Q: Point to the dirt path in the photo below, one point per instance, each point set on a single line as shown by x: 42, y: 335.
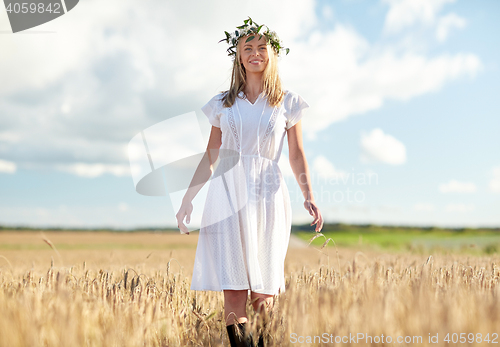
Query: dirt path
x: 296, y: 242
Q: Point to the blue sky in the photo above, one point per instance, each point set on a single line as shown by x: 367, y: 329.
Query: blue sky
x: 406, y: 91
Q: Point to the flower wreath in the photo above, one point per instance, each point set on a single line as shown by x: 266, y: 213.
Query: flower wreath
x: 250, y: 27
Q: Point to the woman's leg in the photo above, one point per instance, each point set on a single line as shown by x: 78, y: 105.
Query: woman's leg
x: 235, y: 303
x: 261, y: 302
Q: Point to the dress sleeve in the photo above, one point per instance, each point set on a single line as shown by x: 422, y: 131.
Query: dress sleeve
x: 295, y: 108
x: 212, y: 110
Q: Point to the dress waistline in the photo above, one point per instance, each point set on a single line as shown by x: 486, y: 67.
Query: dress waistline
x: 247, y: 155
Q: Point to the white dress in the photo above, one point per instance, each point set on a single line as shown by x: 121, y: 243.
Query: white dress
x: 246, y: 221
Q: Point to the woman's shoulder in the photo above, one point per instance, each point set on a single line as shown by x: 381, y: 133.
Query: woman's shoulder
x: 291, y: 94
x: 290, y: 99
x: 217, y: 100
x: 218, y: 97
x: 214, y: 105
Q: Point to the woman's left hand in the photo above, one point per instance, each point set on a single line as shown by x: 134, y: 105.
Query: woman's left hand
x: 314, y: 211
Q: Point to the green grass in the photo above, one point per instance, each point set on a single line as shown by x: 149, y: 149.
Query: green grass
x: 474, y: 241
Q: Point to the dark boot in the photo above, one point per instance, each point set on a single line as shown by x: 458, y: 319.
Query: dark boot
x: 231, y: 335
x: 262, y: 331
x: 237, y: 336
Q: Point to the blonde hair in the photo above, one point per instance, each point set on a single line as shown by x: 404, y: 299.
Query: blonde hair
x: 271, y: 82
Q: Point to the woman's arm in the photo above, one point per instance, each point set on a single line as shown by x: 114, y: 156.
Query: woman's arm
x: 204, y: 170
x: 300, y: 169
x: 201, y: 176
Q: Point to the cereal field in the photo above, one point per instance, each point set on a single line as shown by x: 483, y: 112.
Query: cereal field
x: 132, y: 289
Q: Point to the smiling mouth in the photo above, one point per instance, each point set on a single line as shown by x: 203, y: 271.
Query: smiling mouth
x: 255, y: 61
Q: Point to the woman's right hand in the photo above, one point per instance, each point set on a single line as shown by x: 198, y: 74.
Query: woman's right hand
x: 184, y: 211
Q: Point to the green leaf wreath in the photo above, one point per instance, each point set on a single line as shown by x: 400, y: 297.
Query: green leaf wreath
x: 249, y: 28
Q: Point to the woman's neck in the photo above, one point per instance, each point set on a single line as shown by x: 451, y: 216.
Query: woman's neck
x: 253, y: 85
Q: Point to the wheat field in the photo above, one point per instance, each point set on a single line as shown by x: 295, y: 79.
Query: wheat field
x: 133, y: 289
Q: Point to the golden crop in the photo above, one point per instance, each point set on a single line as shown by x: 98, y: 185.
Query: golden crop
x: 111, y: 289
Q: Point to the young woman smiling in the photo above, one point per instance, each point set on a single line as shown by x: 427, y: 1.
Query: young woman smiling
x: 246, y: 221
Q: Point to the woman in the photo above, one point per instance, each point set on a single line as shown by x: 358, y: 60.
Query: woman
x: 246, y: 221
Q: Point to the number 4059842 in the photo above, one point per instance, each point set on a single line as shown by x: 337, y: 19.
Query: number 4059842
x: 33, y: 7
x: 470, y: 337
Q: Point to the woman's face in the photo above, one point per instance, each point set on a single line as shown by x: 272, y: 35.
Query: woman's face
x: 254, y: 55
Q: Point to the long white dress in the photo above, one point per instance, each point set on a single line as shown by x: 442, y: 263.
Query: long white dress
x: 246, y: 221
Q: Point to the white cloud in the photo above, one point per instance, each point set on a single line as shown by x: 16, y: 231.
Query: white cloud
x: 86, y: 215
x: 10, y: 137
x: 358, y: 209
x: 455, y: 186
x: 405, y: 13
x: 380, y: 147
x: 123, y: 207
x: 7, y: 166
x: 324, y: 169
x: 495, y: 181
x: 459, y: 208
x: 95, y: 170
x: 361, y: 76
x: 126, y: 70
x: 328, y: 12
x: 426, y: 207
x: 448, y: 22
x: 390, y: 209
